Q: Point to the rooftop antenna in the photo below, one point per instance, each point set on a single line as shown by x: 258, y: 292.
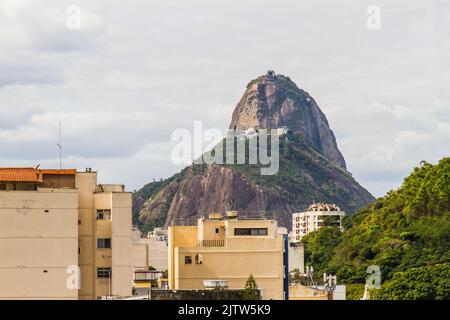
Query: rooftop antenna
x: 59, y: 144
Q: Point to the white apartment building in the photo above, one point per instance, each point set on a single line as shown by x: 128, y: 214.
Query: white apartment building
x: 317, y: 215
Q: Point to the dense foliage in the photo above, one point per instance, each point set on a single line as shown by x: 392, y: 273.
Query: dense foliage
x: 424, y: 283
x: 150, y: 191
x: 408, y: 228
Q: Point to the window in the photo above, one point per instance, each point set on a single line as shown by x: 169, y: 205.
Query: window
x: 198, y: 259
x: 103, y: 272
x: 250, y: 231
x: 187, y: 260
x: 103, y: 243
x: 103, y: 214
x: 217, y: 230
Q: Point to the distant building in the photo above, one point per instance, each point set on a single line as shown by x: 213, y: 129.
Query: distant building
x: 271, y: 75
x: 296, y: 257
x: 317, y: 215
x: 301, y: 292
x: 54, y: 221
x: 150, y: 251
x: 282, y: 130
x: 250, y: 133
x: 228, y: 248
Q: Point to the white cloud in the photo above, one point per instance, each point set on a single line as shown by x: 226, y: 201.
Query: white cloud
x: 136, y: 71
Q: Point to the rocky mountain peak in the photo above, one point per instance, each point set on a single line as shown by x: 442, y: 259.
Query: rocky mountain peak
x: 272, y: 101
x: 311, y: 168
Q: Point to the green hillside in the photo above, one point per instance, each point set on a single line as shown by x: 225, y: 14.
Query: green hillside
x: 408, y: 228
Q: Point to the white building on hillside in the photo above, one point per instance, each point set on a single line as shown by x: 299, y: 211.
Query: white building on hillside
x: 317, y: 215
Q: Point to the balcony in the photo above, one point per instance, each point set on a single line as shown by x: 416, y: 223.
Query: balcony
x: 211, y: 243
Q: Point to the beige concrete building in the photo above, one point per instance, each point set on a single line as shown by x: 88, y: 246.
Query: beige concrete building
x: 301, y: 292
x: 150, y: 251
x: 53, y: 221
x: 229, y: 249
x: 317, y: 215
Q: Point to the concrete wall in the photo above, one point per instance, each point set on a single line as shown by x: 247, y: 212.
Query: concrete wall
x: 157, y: 254
x: 140, y: 256
x: 179, y: 236
x: 196, y: 294
x: 86, y: 183
x: 38, y: 242
x: 296, y: 257
x: 150, y: 252
x: 122, y: 279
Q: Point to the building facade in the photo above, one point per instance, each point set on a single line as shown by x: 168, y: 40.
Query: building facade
x: 296, y: 257
x: 150, y: 251
x: 317, y: 216
x: 230, y: 249
x: 149, y: 260
x: 60, y: 224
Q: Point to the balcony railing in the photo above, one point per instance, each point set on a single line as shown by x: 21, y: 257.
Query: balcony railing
x: 211, y: 243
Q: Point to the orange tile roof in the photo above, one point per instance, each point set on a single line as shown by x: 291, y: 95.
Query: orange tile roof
x: 30, y: 174
x: 19, y: 175
x: 58, y: 171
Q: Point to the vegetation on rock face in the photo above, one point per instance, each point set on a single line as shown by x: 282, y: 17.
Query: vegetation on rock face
x: 305, y: 176
x: 154, y: 216
x: 408, y: 228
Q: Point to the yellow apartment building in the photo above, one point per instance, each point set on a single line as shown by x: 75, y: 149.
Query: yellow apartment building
x: 227, y: 248
x: 53, y: 222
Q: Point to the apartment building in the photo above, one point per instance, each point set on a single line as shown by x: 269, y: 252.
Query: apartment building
x: 315, y: 217
x: 53, y: 222
x: 150, y: 251
x: 227, y: 248
x: 149, y: 259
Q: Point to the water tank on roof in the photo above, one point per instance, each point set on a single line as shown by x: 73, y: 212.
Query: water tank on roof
x: 216, y: 216
x: 232, y: 214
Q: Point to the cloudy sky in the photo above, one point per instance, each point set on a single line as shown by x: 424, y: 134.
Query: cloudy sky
x: 134, y: 71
